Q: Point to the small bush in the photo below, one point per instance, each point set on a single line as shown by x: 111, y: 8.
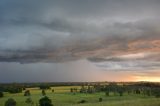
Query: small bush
x: 120, y: 93
x: 100, y: 99
x: 1, y: 94
x: 82, y: 101
x: 10, y: 102
x: 29, y: 101
x: 107, y: 93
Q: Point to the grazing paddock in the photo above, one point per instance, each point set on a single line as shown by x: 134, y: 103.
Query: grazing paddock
x: 63, y: 97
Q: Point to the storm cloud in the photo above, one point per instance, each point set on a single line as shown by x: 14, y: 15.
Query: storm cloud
x: 115, y: 35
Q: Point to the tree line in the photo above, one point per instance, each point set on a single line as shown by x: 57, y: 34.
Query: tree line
x: 146, y: 89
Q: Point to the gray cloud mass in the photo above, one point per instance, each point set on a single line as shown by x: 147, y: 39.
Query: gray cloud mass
x: 113, y: 34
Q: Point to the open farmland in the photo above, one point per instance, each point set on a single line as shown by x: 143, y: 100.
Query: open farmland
x: 63, y: 97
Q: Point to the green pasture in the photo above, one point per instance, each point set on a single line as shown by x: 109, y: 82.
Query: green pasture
x: 63, y: 97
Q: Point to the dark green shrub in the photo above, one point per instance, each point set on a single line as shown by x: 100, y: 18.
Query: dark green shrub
x: 82, y: 101
x: 107, y: 93
x: 100, y: 99
x: 10, y: 102
x: 45, y: 101
x: 120, y: 93
x: 29, y: 101
x: 1, y: 94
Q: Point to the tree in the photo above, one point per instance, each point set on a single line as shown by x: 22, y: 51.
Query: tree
x: 148, y: 92
x: 137, y: 91
x: 120, y: 90
x: 83, y: 90
x: 10, y: 102
x: 107, y: 93
x: 90, y: 89
x: 53, y: 90
x: 45, y: 101
x: 71, y: 90
x: 29, y: 101
x: 44, y: 87
x: 43, y: 92
x: 1, y: 94
x: 14, y: 89
x: 112, y: 87
x: 27, y: 93
x: 156, y: 92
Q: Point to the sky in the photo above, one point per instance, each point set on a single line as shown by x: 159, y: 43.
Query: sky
x: 79, y: 40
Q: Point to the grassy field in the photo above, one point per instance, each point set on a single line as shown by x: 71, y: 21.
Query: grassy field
x: 63, y: 97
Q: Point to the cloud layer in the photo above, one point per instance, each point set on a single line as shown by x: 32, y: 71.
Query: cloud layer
x: 119, y: 34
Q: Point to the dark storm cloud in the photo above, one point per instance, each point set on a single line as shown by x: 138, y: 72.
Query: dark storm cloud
x: 59, y: 31
x: 63, y: 40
